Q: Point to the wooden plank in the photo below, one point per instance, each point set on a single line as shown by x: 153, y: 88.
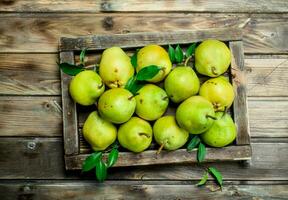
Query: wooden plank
x: 30, y: 116
x: 138, y: 190
x: 266, y: 76
x: 16, y: 71
x: 263, y: 6
x: 239, y: 82
x: 132, y: 40
x: 126, y: 159
x: 41, y: 32
x: 42, y: 158
x: 70, y: 130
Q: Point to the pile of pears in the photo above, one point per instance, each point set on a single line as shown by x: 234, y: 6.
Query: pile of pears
x: 135, y: 120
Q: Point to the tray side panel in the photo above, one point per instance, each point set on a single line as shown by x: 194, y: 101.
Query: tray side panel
x: 239, y: 83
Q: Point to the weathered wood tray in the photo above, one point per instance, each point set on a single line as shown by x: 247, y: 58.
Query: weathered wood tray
x: 75, y: 148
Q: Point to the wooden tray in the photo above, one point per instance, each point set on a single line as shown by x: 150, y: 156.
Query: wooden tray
x: 75, y: 148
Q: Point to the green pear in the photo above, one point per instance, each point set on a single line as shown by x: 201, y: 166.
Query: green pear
x: 222, y: 132
x: 181, y: 83
x: 86, y: 87
x: 115, y: 67
x: 151, y: 102
x: 195, y: 114
x: 154, y: 55
x: 212, y: 58
x: 98, y: 132
x: 135, y: 135
x: 168, y: 134
x: 219, y: 92
x: 117, y: 105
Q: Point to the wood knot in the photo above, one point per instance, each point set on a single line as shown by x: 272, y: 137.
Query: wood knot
x: 108, y: 23
x: 31, y: 145
x: 105, y: 6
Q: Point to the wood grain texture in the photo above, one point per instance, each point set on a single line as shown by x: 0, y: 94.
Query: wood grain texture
x: 266, y: 75
x: 133, y: 40
x: 30, y: 116
x: 149, y: 157
x: 42, y: 158
x: 45, y: 190
x: 41, y: 32
x: 70, y: 130
x: 264, y: 6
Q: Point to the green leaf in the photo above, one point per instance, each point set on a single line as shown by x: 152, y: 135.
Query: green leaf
x: 134, y: 59
x: 191, y: 50
x: 101, y: 170
x: 82, y: 55
x: 201, y: 152
x: 112, y: 157
x: 193, y: 143
x: 133, y: 85
x: 171, y: 52
x: 70, y: 69
x: 216, y: 174
x: 178, y: 54
x: 147, y: 73
x: 90, y: 161
x: 203, y: 179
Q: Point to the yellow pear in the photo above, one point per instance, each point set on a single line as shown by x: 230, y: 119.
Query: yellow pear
x: 115, y: 67
x: 98, y: 132
x: 154, y: 55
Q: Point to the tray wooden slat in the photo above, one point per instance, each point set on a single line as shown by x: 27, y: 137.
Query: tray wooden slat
x: 132, y: 40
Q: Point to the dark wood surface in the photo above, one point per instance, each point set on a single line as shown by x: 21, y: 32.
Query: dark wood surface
x: 31, y: 143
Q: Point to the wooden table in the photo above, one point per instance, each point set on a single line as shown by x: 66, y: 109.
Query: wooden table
x: 31, y: 145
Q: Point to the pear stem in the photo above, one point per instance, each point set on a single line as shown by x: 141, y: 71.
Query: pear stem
x: 100, y: 86
x: 164, y: 98
x: 130, y: 98
x: 187, y: 60
x: 160, y: 148
x: 213, y: 69
x: 145, y: 134
x: 212, y: 117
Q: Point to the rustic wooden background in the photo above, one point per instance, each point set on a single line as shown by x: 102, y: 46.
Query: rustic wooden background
x: 31, y: 145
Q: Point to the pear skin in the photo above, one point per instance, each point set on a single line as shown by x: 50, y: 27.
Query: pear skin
x: 117, y: 105
x: 135, y: 135
x: 169, y: 134
x: 151, y: 102
x: 98, y: 132
x: 86, y: 87
x: 222, y: 132
x: 154, y: 55
x: 212, y: 58
x: 115, y: 67
x: 219, y: 92
x: 181, y: 83
x: 195, y: 114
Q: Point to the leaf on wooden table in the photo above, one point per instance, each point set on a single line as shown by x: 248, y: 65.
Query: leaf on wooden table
x: 190, y: 50
x: 90, y: 161
x: 171, y: 52
x: 194, y: 142
x: 178, y: 54
x: 112, y: 157
x: 203, y: 179
x: 70, y: 69
x: 201, y: 152
x: 216, y: 174
x: 101, y: 170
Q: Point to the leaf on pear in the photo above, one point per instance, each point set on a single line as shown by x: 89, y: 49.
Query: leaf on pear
x: 201, y: 152
x: 178, y: 54
x: 190, y: 50
x: 134, y: 59
x: 203, y: 179
x: 112, y: 157
x: 70, y: 69
x: 171, y: 52
x: 193, y: 143
x: 101, y: 170
x: 90, y: 161
x: 82, y: 55
x: 217, y: 175
x: 133, y: 85
x: 147, y: 73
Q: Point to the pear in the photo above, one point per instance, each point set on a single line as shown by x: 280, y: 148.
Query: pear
x: 154, y: 55
x: 222, y: 132
x: 135, y: 135
x: 181, y: 83
x: 117, y: 105
x: 168, y: 134
x: 195, y: 114
x: 98, y: 132
x: 86, y: 87
x: 212, y: 58
x: 115, y: 67
x: 151, y: 102
x: 218, y: 91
